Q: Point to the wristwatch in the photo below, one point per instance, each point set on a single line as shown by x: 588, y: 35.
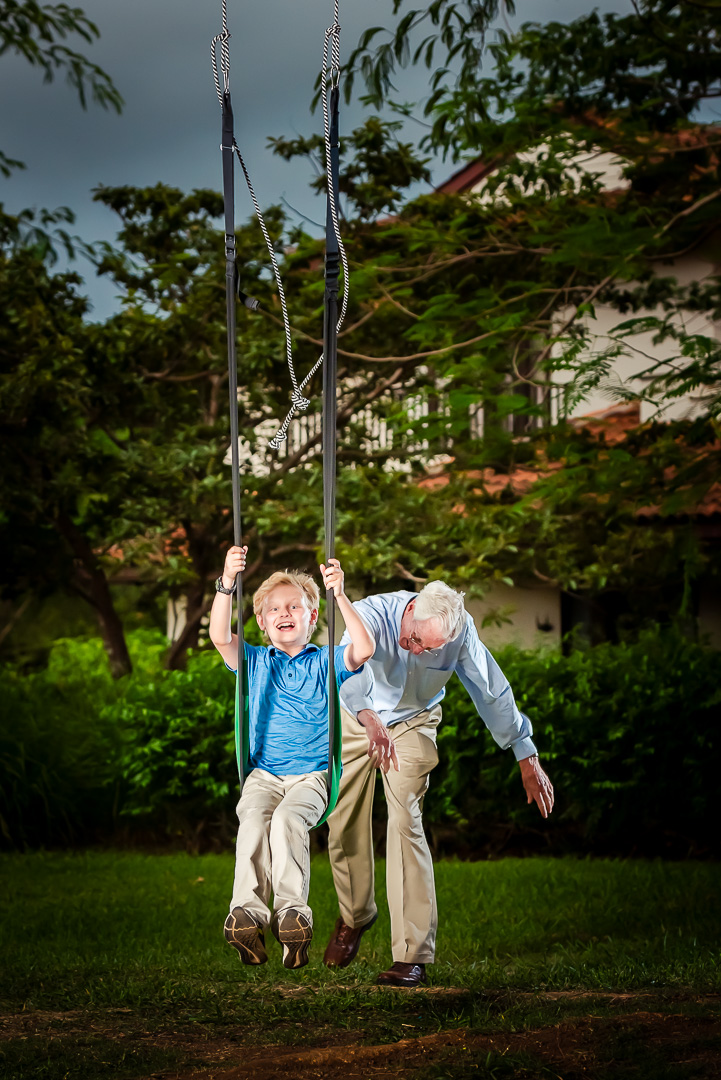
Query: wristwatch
x: 220, y: 587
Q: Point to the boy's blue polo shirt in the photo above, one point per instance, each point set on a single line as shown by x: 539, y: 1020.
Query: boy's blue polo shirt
x: 288, y: 707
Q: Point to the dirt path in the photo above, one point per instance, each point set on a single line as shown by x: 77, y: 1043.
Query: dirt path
x: 573, y: 1048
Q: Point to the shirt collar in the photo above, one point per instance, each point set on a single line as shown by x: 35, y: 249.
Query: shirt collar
x: 279, y: 652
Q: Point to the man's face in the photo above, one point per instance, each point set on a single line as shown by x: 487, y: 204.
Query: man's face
x: 287, y: 618
x: 419, y: 636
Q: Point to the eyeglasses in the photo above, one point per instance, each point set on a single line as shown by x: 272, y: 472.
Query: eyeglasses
x: 414, y: 639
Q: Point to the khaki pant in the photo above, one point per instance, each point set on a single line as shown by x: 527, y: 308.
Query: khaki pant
x: 409, y: 868
x: 275, y: 815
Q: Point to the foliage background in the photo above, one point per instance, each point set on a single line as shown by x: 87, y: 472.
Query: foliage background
x: 114, y: 491
x: 461, y: 304
x: 629, y: 734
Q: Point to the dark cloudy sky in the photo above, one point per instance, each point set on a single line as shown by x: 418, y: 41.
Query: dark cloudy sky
x: 157, y: 52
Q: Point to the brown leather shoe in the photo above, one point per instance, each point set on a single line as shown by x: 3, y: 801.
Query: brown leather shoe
x: 399, y: 974
x: 344, y: 942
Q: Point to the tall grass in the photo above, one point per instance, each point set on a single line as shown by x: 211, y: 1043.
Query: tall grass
x: 139, y: 930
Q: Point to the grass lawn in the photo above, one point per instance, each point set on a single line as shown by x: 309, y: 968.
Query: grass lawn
x: 115, y: 964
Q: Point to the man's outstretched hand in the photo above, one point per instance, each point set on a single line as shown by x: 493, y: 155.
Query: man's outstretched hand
x: 381, y: 747
x: 538, y: 786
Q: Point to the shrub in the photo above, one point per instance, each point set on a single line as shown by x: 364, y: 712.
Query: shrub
x: 58, y: 751
x: 177, y: 760
x: 628, y: 734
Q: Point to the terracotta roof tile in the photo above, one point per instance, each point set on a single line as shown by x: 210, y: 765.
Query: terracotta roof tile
x: 612, y: 423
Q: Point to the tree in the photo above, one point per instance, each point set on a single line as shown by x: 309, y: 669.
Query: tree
x: 37, y: 32
x: 60, y: 476
x: 458, y: 305
x: 516, y: 272
x: 629, y: 84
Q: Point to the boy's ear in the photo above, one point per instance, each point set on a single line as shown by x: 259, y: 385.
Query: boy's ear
x: 313, y: 616
x: 259, y: 620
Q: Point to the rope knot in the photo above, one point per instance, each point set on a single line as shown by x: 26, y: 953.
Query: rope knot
x: 276, y: 441
x: 300, y: 403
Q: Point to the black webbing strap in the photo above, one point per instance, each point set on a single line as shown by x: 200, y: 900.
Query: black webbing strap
x: 227, y: 149
x: 330, y: 367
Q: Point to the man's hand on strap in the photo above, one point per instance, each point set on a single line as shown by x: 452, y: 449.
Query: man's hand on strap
x: 537, y: 784
x: 381, y: 747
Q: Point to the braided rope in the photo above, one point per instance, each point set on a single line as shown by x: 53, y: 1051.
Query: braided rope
x: 332, y: 35
x: 334, y: 32
x: 224, y: 37
x: 300, y: 403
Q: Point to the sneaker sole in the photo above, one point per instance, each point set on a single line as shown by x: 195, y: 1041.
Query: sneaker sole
x: 242, y: 932
x: 295, y: 935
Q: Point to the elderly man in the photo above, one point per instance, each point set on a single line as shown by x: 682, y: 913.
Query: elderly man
x: 420, y: 640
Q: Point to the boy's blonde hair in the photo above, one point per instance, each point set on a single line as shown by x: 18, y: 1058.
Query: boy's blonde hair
x: 296, y: 578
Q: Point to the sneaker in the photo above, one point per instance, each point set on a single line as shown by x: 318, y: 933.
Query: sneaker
x: 243, y: 933
x: 295, y: 934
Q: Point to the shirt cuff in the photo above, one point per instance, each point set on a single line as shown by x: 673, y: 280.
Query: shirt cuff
x: 356, y: 705
x: 524, y: 748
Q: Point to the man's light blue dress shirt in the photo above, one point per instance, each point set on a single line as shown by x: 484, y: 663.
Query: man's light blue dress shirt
x: 399, y: 685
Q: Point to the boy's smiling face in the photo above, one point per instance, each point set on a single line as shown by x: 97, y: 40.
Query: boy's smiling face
x: 287, y: 619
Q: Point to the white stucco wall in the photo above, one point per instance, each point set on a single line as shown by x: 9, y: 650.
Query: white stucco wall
x: 709, y: 616
x: 639, y: 351
x: 526, y: 609
x: 523, y: 609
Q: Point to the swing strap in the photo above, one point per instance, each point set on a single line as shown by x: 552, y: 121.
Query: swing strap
x: 227, y: 146
x: 333, y: 246
x: 222, y: 67
x: 334, y: 252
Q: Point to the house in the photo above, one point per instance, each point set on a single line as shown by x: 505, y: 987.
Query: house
x: 534, y: 614
x: 636, y: 350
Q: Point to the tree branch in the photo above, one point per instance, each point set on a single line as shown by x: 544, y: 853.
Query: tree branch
x: 408, y: 575
x: 167, y: 377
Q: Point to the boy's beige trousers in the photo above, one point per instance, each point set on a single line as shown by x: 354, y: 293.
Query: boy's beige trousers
x: 275, y: 815
x: 409, y: 868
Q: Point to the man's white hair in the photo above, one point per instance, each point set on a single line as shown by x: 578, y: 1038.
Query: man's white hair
x: 436, y: 600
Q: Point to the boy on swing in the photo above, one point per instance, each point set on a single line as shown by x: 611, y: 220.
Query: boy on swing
x: 285, y: 792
